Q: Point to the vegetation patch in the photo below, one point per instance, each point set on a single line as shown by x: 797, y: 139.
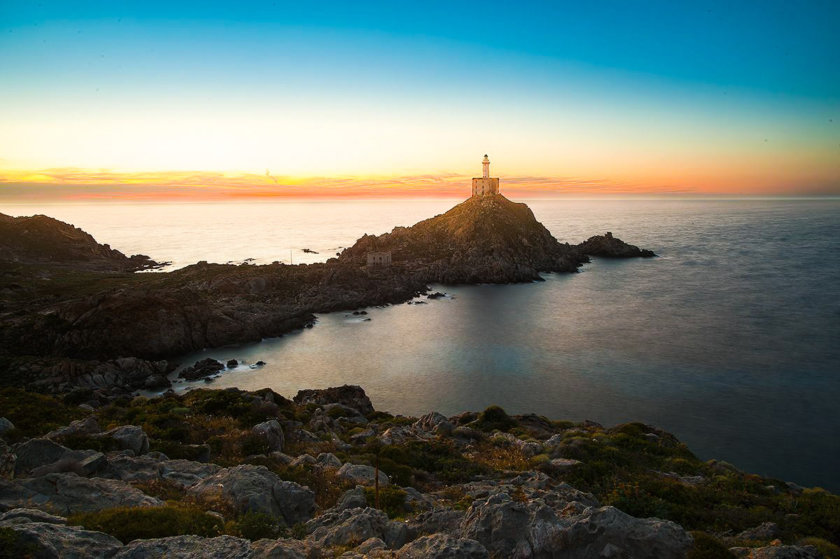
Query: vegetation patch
x: 133, y: 523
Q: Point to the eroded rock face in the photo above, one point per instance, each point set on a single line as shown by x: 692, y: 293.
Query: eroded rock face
x: 58, y: 541
x: 187, y: 547
x: 442, y: 546
x: 256, y: 488
x: 342, y: 527
x: 348, y: 395
x: 70, y: 493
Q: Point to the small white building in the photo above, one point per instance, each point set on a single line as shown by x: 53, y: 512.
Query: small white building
x: 379, y: 258
x: 486, y: 185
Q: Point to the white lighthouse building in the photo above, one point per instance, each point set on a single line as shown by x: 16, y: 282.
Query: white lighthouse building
x: 486, y: 185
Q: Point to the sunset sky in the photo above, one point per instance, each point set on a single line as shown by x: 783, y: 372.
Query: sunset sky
x: 214, y: 100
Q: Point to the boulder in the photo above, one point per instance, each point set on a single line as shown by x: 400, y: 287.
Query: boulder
x: 47, y: 540
x: 442, y: 546
x: 38, y: 452
x: 283, y: 549
x: 5, y: 425
x: 87, y: 426
x: 348, y: 395
x: 69, y: 493
x: 81, y: 462
x: 778, y: 552
x: 361, y: 474
x: 302, y: 460
x: 328, y: 460
x: 440, y: 520
x: 272, y: 432
x: 256, y: 488
x: 31, y: 515
x: 187, y: 547
x: 349, y: 526
x: 201, y: 369
x: 129, y: 437
x: 429, y: 421
x: 183, y: 473
x: 355, y: 498
x: 763, y: 532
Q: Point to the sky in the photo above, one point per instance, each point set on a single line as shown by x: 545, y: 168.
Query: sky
x: 218, y: 100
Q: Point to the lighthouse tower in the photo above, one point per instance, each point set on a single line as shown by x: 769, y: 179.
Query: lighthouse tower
x: 486, y: 185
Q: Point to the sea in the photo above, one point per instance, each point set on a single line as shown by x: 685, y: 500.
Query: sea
x: 730, y: 338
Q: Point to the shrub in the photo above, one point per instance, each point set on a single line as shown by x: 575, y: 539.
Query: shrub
x: 255, y: 526
x: 132, y: 523
x: 14, y: 545
x: 707, y: 547
x: 828, y: 549
x: 391, y: 500
x: 494, y: 417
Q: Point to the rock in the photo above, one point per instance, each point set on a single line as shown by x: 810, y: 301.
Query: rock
x: 201, y: 369
x: 259, y: 364
x: 70, y: 493
x: 8, y: 459
x: 346, y: 526
x: 436, y: 295
x: 778, y: 552
x: 440, y: 520
x: 129, y: 437
x: 363, y: 475
x: 50, y: 540
x: 370, y: 545
x: 256, y: 488
x: 31, y: 515
x: 38, y: 452
x: 352, y: 499
x: 187, y: 547
x: 183, y: 473
x: 763, y: 532
x: 607, y: 246
x: 442, y: 546
x: 272, y: 432
x: 349, y: 395
x: 87, y: 426
x: 81, y: 462
x: 5, y: 425
x: 328, y: 460
x: 535, y: 529
x: 232, y: 364
x: 562, y: 464
x: 428, y: 422
x: 284, y: 549
x: 302, y: 460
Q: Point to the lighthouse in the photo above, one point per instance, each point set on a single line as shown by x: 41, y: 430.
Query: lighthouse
x: 486, y: 185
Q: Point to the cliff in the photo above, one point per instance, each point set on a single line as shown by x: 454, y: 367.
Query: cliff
x: 43, y: 240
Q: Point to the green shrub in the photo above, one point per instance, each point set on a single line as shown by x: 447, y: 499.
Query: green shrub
x: 707, y: 547
x: 494, y: 417
x: 391, y: 500
x: 35, y: 414
x: 255, y: 526
x: 828, y: 549
x: 132, y: 523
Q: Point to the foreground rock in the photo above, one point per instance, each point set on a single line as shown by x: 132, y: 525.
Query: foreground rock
x: 188, y: 547
x: 58, y: 541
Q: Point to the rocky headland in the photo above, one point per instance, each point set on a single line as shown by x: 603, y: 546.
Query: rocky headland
x: 73, y: 315
x: 233, y: 474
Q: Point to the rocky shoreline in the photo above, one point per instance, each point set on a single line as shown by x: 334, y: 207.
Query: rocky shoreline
x: 232, y: 474
x: 73, y: 315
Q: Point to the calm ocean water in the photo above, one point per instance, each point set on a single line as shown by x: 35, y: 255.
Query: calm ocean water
x: 730, y: 340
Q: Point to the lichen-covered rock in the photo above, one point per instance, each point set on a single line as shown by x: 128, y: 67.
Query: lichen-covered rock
x: 70, y: 493
x: 361, y: 474
x: 351, y: 526
x: 57, y: 541
x: 187, y: 547
x: 442, y: 546
x: 272, y: 432
x: 256, y: 488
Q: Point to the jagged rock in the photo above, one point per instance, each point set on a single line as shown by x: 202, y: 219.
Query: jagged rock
x: 343, y: 527
x: 129, y: 437
x: 535, y: 529
x: 31, y: 515
x: 328, y: 460
x: 183, y: 473
x: 764, y: 531
x: 69, y: 493
x: 607, y: 246
x: 42, y: 456
x: 778, y: 552
x: 5, y: 425
x: 201, y: 369
x: 56, y: 541
x: 361, y: 474
x: 445, y: 521
x: 232, y: 364
x: 86, y: 426
x: 370, y: 545
x: 348, y: 395
x: 81, y: 462
x: 397, y: 434
x: 352, y: 499
x: 272, y: 432
x: 442, y: 546
x: 256, y: 488
x: 303, y: 460
x: 187, y: 547
x: 429, y: 421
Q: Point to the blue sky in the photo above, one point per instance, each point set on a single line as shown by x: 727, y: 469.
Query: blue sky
x: 554, y: 89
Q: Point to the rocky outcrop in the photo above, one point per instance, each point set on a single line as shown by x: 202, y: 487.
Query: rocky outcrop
x: 346, y: 526
x: 362, y: 474
x: 348, y: 395
x: 442, y: 546
x: 43, y: 240
x: 201, y: 369
x: 607, y: 246
x: 256, y: 488
x: 51, y: 540
x: 188, y: 547
x: 68, y: 493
